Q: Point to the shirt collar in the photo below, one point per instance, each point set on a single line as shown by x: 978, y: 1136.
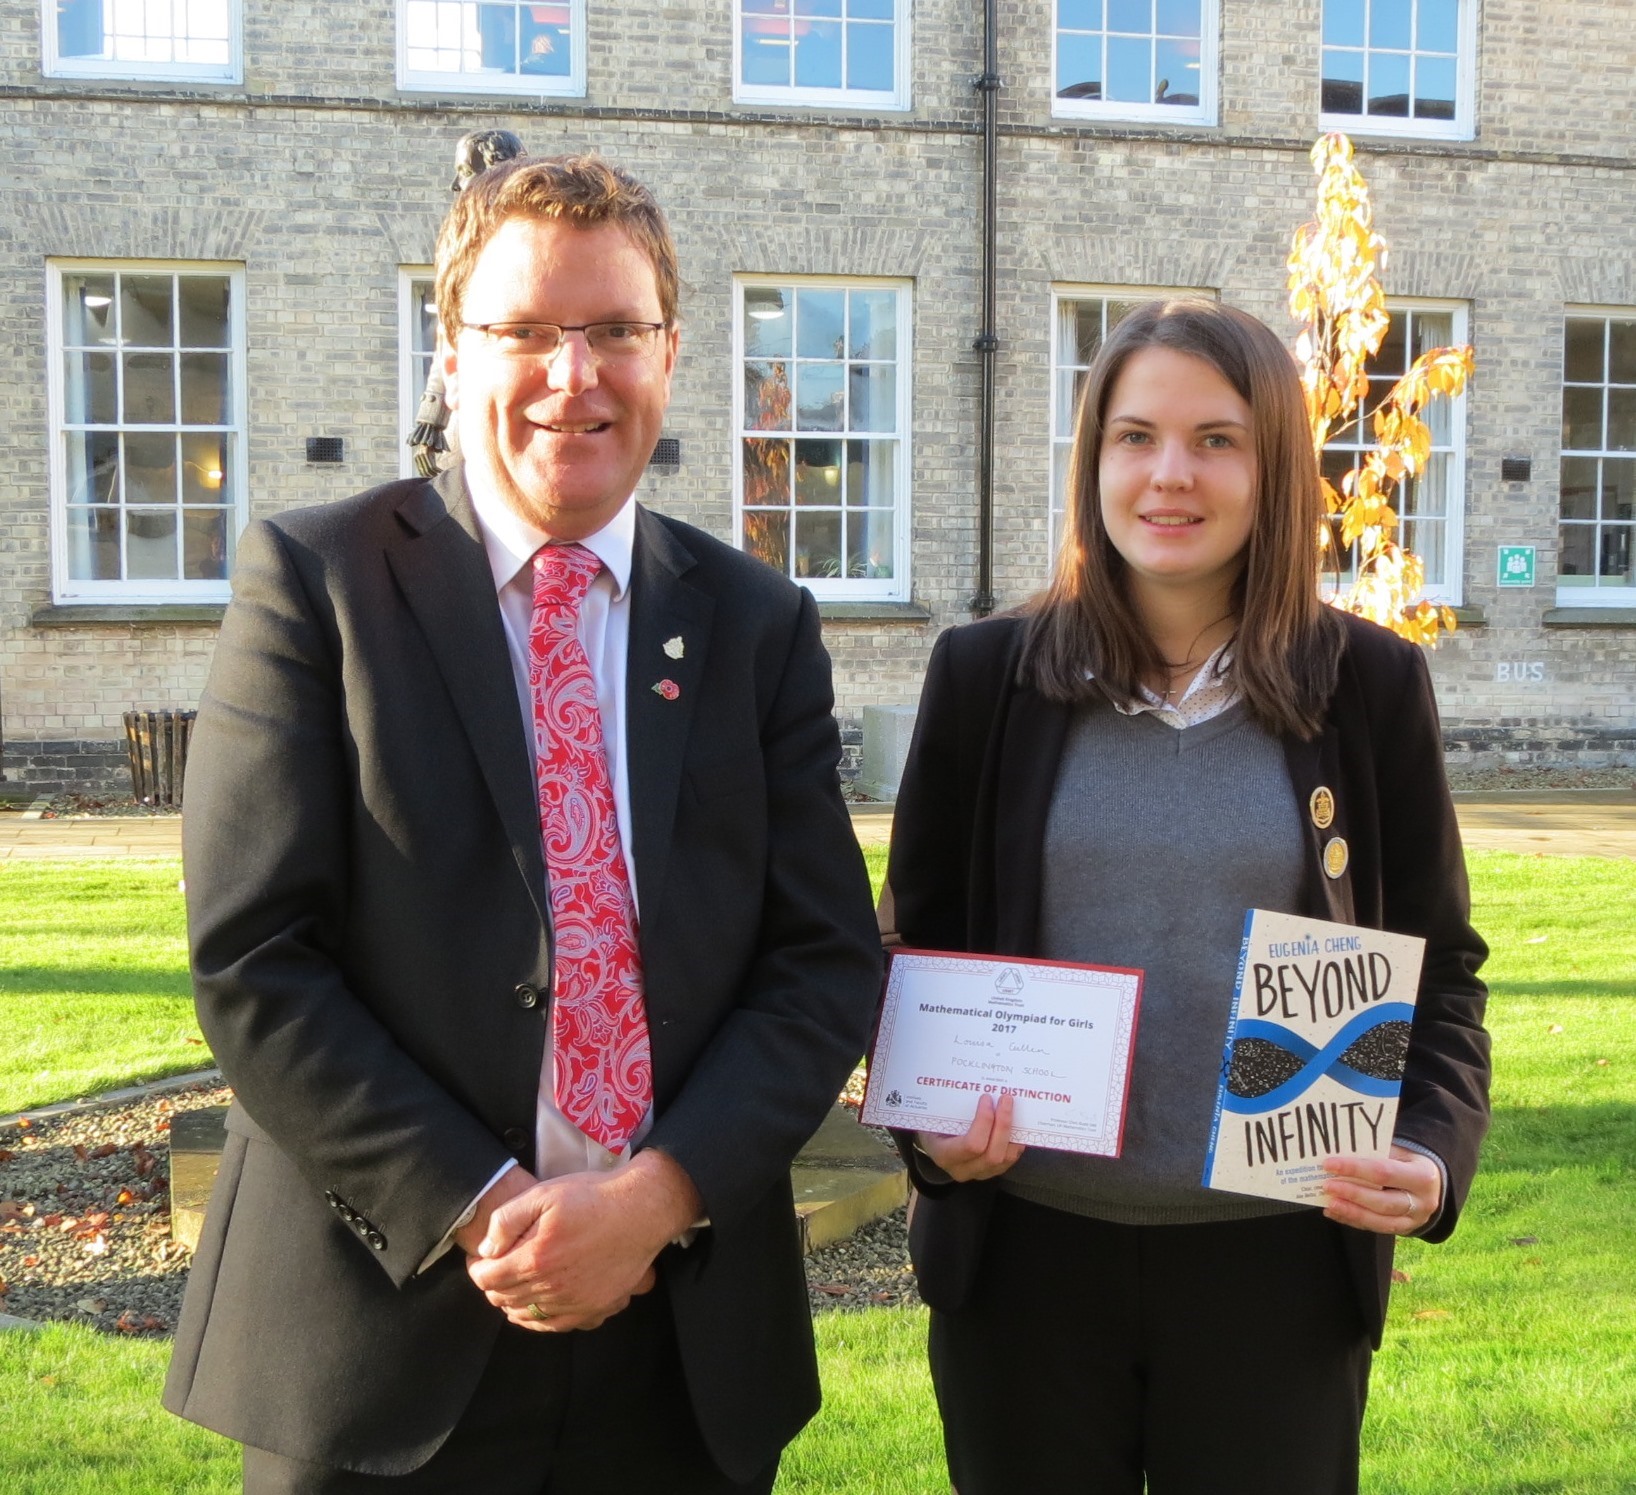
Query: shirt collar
x: 510, y: 540
x: 1212, y: 672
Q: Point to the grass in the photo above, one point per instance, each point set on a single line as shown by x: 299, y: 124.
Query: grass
x: 1510, y: 1361
x: 93, y: 982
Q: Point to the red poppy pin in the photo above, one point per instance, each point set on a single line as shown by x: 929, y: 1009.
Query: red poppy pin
x: 669, y: 689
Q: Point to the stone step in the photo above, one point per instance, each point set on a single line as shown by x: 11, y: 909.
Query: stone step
x: 843, y: 1178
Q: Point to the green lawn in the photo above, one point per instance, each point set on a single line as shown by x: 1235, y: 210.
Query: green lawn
x: 1510, y: 1362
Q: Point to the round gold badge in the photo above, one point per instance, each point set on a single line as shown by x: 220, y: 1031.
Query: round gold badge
x: 1322, y: 805
x: 1335, y: 856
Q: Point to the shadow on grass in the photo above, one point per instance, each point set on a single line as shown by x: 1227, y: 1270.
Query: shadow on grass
x: 160, y: 979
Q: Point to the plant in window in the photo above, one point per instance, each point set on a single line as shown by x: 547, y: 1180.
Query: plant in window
x: 1335, y: 293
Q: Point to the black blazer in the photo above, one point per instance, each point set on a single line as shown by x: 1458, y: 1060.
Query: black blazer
x: 366, y: 904
x: 965, y: 875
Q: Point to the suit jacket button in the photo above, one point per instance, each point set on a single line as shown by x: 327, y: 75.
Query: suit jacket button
x: 528, y: 996
x: 333, y: 1199
x: 375, y: 1239
x: 515, y: 1138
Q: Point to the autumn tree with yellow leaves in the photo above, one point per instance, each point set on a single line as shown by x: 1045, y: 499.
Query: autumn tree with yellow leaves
x: 1335, y: 293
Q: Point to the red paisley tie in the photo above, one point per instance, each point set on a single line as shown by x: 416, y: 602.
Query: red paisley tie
x: 603, y: 1071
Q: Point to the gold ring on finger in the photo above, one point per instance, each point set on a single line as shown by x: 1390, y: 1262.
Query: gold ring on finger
x: 538, y: 1314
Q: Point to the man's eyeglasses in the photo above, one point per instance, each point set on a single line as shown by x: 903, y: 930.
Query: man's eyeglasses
x: 608, y: 341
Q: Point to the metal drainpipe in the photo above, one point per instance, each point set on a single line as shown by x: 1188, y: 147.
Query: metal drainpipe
x: 987, y: 344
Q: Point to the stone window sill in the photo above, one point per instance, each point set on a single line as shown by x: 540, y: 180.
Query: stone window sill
x: 873, y: 612
x: 1590, y: 617
x: 128, y: 615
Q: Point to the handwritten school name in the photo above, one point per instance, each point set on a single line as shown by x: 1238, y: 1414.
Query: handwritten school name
x: 1313, y: 1129
x: 1328, y: 987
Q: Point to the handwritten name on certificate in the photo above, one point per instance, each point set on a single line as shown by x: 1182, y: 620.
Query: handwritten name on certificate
x: 1057, y: 1037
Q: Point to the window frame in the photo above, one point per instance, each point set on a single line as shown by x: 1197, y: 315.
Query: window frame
x: 410, y: 382
x: 1592, y: 596
x: 1450, y: 590
x: 54, y: 65
x: 513, y: 85
x: 1464, y: 124
x: 897, y: 99
x: 125, y: 592
x: 1062, y: 293
x: 1206, y: 112
x: 895, y: 588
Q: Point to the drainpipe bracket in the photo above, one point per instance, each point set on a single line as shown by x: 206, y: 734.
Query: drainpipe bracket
x: 988, y: 83
x: 985, y: 342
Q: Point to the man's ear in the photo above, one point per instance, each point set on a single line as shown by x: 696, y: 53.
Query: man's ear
x: 447, y: 365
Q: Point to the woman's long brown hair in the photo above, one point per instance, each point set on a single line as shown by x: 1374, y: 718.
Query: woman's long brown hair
x: 1287, y: 643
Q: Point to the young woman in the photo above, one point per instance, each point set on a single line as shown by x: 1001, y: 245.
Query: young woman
x: 1176, y: 731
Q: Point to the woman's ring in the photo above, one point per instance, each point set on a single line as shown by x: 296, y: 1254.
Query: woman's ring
x: 538, y: 1314
x: 1408, y: 1203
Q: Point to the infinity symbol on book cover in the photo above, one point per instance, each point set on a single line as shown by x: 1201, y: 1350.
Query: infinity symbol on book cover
x: 1269, y: 1065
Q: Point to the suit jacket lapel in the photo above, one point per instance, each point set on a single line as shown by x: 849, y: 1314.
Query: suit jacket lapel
x: 443, y: 569
x: 664, y: 668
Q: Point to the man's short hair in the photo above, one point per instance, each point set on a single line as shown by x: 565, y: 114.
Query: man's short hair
x: 585, y: 191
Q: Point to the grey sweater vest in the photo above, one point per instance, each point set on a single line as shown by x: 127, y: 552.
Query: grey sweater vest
x: 1157, y: 842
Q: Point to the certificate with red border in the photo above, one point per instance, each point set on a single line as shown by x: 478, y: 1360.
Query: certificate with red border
x: 1057, y: 1037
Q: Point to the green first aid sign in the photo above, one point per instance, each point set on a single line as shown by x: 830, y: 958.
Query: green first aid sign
x: 1516, y: 566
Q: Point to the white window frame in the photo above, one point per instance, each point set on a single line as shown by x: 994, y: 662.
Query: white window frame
x: 894, y: 588
x: 411, y: 380
x: 897, y: 98
x: 1592, y: 595
x: 1464, y: 124
x: 54, y: 65
x: 120, y: 593
x: 1205, y: 112
x: 514, y: 85
x: 1061, y: 423
x: 1450, y: 589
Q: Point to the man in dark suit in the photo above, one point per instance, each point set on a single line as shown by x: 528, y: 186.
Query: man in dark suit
x: 527, y: 925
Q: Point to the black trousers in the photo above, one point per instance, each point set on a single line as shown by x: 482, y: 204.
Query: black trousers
x: 1220, y: 1359
x: 603, y: 1412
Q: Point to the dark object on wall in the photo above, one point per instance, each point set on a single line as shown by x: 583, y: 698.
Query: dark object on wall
x: 157, y: 742
x: 325, y: 449
x: 1516, y: 469
x: 667, y: 454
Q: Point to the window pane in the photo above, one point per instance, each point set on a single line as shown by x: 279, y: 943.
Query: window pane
x: 1436, y: 27
x: 869, y: 62
x: 1575, y: 563
x: 1131, y: 15
x: 150, y: 396
x: 544, y: 47
x: 873, y: 333
x: 1079, y: 330
x: 497, y: 36
x: 1392, y: 357
x: 1430, y: 329
x: 93, y: 467
x: 818, y: 473
x: 1428, y: 490
x: 1616, y: 561
x: 818, y: 56
x: 818, y: 544
x: 204, y: 469
x: 1178, y: 17
x: 203, y: 303
x: 1434, y: 86
x: 1618, y: 489
x: 204, y: 545
x: 1389, y: 23
x: 870, y: 466
x: 766, y: 397
x: 93, y: 544
x: 1582, y: 419
x: 877, y: 10
x: 1177, y: 65
x: 89, y: 391
x: 150, y: 469
x: 1067, y: 392
x: 150, y: 545
x: 767, y: 537
x: 820, y: 322
x: 79, y: 28
x: 1388, y: 84
x: 1130, y: 70
x: 769, y: 329
x: 1579, y: 485
x: 1080, y: 15
x: 88, y: 310
x: 869, y: 543
x: 204, y: 389
x: 874, y: 398
x: 765, y: 54
x: 1622, y: 352
x: 818, y: 397
x: 1343, y: 23
x: 1428, y: 539
x: 1582, y: 346
x: 1622, y: 420
x: 145, y: 311
x: 1342, y: 88
x: 1079, y: 67
x: 818, y: 7
x: 766, y: 471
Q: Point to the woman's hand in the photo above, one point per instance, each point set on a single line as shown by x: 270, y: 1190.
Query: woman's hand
x: 1393, y: 1196
x: 984, y: 1150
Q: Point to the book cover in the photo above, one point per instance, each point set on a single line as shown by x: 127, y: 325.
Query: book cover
x: 1316, y: 1044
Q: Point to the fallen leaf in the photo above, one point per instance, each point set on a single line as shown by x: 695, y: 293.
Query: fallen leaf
x: 1399, y: 1275
x: 145, y: 1161
x: 1601, y: 1063
x: 881, y: 1297
x: 91, y: 1305
x: 1431, y: 1313
x: 107, y: 1150
x: 198, y: 1041
x: 48, y: 1380
x: 150, y: 1322
x: 24, y: 1122
x: 53, y: 1220
x: 96, y: 1247
x: 31, y: 1261
x: 127, y: 1322
x: 1554, y: 1028
x: 161, y: 1126
x: 1538, y: 939
x: 6, y: 1155
x: 1525, y: 1240
x: 81, y: 1151
x: 833, y: 1289
x: 125, y: 1197
x: 10, y: 1209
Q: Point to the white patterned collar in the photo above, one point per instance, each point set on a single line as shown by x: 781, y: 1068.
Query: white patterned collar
x: 1208, y: 694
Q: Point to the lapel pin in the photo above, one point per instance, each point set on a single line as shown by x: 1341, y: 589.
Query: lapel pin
x: 669, y: 689
x: 1335, y: 857
x: 674, y: 647
x: 1322, y: 805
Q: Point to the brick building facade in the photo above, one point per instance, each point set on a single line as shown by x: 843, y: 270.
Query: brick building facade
x: 214, y: 247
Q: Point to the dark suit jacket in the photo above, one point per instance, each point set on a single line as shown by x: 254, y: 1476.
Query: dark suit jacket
x: 366, y: 907
x: 965, y: 875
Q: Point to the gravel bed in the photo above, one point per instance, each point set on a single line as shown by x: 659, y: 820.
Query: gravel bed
x: 85, y: 1224
x: 85, y: 1216
x: 1507, y: 776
